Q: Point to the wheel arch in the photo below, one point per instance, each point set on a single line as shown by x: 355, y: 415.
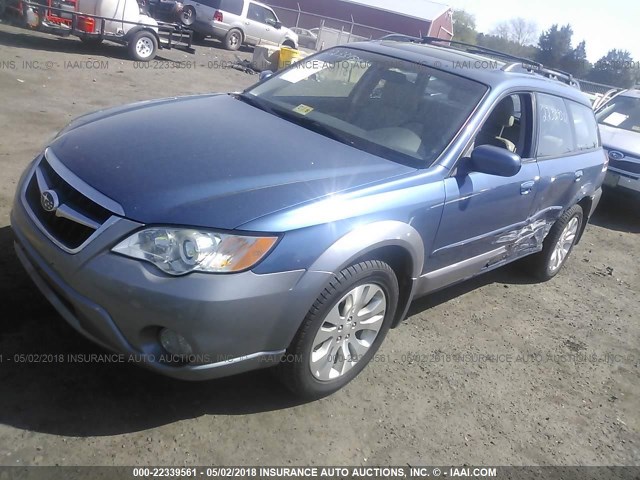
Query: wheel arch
x: 139, y: 28
x: 588, y: 204
x: 395, y: 243
x: 238, y: 29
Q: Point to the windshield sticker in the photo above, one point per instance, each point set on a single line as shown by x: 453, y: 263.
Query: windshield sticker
x: 303, y: 109
x: 615, y: 119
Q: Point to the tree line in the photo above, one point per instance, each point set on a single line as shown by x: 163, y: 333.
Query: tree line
x: 553, y: 48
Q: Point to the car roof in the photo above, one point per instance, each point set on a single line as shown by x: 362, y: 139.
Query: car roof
x: 261, y: 4
x: 495, y: 73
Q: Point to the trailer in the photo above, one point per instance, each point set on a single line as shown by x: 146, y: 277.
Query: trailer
x: 93, y: 21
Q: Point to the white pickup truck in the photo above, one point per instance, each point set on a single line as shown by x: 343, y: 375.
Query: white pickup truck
x: 119, y: 21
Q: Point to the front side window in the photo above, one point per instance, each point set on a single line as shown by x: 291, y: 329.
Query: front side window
x: 509, y: 125
x: 270, y: 18
x: 260, y: 14
x: 555, y: 135
x: 386, y: 106
x: 621, y: 112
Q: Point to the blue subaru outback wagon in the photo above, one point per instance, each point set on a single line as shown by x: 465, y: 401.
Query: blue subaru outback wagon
x: 293, y: 224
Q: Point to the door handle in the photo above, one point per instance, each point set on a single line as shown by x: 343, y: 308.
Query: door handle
x: 579, y: 175
x: 527, y: 187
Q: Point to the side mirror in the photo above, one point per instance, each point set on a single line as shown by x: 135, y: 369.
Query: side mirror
x: 264, y: 75
x: 495, y: 161
x: 278, y: 25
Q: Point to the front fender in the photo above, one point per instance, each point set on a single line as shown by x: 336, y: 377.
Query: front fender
x: 358, y: 243
x: 365, y: 239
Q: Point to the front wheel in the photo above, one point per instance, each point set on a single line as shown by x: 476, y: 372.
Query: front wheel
x: 143, y: 46
x: 557, y: 246
x: 342, y: 331
x: 233, y: 40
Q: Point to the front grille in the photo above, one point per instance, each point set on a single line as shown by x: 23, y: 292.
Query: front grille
x: 73, y: 198
x: 625, y: 166
x: 69, y: 223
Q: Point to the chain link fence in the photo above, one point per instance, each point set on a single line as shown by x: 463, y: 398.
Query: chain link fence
x: 318, y: 32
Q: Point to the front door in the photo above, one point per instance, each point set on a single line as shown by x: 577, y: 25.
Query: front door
x: 260, y: 25
x: 486, y: 217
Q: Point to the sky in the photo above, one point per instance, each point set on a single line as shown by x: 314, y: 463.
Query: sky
x: 603, y: 24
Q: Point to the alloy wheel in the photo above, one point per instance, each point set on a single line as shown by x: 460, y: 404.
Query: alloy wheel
x: 564, y: 244
x: 348, y: 332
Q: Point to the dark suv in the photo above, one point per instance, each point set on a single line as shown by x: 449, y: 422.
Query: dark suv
x: 294, y: 223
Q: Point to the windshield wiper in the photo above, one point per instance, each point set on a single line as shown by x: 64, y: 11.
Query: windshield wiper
x: 313, y: 125
x: 293, y: 117
x: 253, y: 101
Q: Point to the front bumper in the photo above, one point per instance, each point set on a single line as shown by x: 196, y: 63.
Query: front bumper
x: 622, y: 182
x: 234, y: 322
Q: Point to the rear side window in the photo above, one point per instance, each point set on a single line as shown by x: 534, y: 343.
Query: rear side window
x: 584, y: 124
x: 211, y: 3
x: 555, y: 133
x: 232, y: 6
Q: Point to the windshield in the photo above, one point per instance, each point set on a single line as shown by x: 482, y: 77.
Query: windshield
x: 392, y: 108
x: 621, y: 112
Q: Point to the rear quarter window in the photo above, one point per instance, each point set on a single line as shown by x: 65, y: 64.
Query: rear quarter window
x: 555, y: 130
x: 232, y: 6
x: 585, y: 127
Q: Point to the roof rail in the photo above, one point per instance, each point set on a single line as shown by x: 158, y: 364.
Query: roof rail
x: 517, y: 63
x: 521, y: 64
x: 399, y: 37
x: 551, y: 73
x: 470, y: 48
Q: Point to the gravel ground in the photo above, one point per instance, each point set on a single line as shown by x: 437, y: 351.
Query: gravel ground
x: 549, y: 376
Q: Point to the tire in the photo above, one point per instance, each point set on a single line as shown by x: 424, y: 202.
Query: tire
x: 91, y: 41
x: 143, y: 46
x: 188, y: 16
x: 233, y: 39
x: 315, y: 364
x: 557, y: 246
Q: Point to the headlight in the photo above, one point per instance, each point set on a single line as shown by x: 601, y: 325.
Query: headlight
x: 180, y: 251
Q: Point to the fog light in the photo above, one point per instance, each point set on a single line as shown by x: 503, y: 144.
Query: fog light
x: 174, y: 343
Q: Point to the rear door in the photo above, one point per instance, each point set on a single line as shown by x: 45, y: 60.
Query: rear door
x: 569, y: 154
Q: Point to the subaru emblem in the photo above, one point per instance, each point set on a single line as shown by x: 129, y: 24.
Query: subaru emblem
x: 614, y: 155
x: 49, y: 200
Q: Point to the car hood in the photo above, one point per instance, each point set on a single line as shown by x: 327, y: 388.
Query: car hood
x: 210, y: 161
x: 619, y: 139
